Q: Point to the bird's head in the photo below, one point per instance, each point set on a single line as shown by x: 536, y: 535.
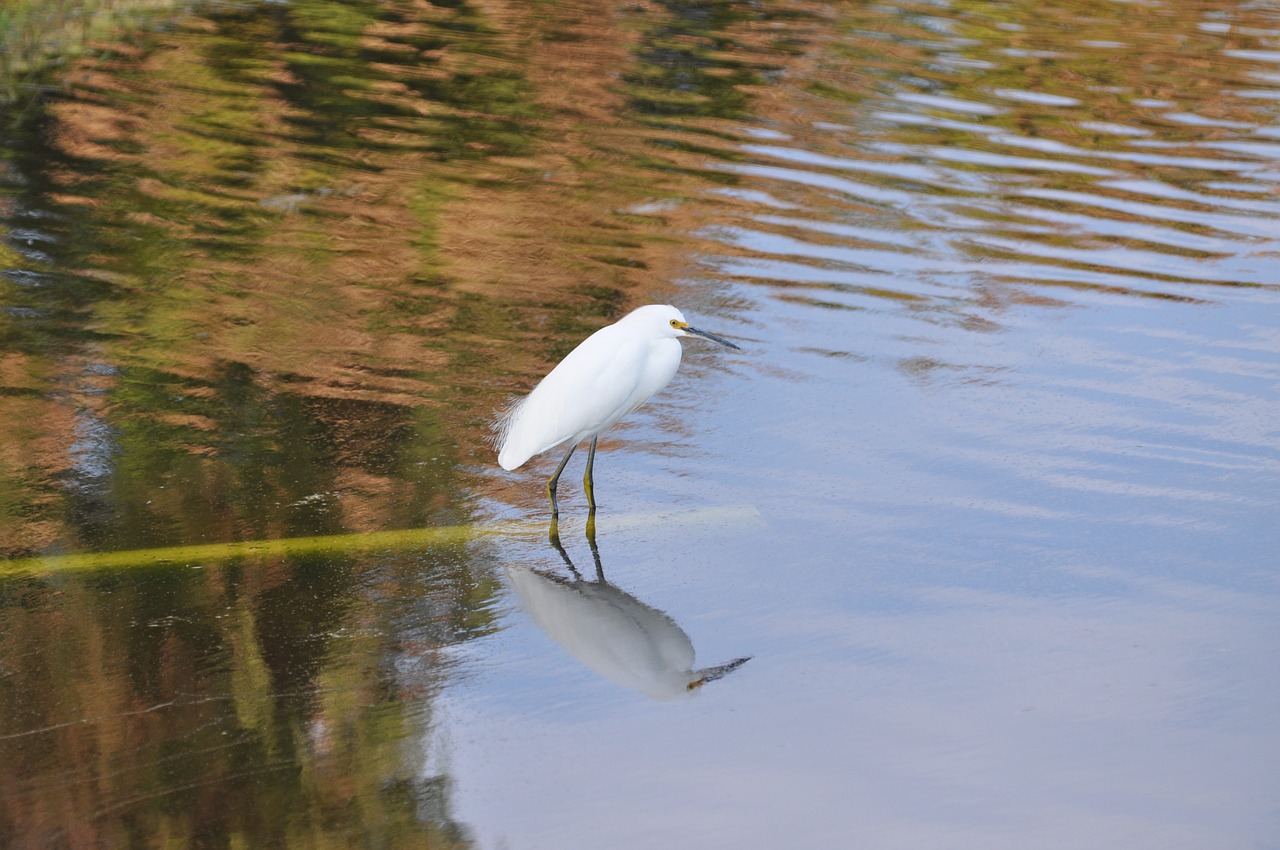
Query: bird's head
x: 666, y: 320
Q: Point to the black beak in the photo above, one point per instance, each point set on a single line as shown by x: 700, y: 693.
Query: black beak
x: 710, y: 674
x: 712, y: 337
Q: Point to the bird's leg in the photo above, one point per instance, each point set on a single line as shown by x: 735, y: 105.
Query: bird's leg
x: 559, y: 547
x: 595, y: 550
x: 588, y: 484
x: 551, y: 486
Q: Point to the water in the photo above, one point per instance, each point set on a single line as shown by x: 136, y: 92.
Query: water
x: 988, y: 500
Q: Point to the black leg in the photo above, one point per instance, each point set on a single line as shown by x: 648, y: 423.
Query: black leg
x: 595, y: 550
x: 559, y: 547
x: 588, y: 484
x: 555, y: 479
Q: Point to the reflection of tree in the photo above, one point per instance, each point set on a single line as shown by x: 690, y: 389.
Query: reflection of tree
x: 259, y: 268
x: 188, y: 364
x: 226, y: 459
x: 691, y: 62
x: 158, y: 268
x: 258, y: 704
x: 352, y: 208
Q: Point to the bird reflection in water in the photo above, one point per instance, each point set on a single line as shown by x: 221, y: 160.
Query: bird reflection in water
x: 611, y: 632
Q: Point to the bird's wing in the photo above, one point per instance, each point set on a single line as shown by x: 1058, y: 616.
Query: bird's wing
x: 584, y: 394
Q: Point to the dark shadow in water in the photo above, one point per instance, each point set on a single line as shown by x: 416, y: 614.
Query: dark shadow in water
x: 610, y: 631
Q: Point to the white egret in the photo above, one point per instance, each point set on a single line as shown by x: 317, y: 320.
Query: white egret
x: 610, y: 373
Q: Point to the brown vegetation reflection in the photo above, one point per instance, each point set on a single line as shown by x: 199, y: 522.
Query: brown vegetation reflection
x: 263, y: 704
x: 267, y: 270
x: 335, y: 236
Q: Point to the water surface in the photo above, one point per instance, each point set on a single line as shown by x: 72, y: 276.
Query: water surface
x: 988, y: 499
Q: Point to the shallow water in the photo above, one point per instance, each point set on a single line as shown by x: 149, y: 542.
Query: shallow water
x: 988, y: 499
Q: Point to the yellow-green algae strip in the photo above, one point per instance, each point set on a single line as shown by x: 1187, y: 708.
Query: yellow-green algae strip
x: 412, y: 538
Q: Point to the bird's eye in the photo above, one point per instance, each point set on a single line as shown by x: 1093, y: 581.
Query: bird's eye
x: 674, y: 323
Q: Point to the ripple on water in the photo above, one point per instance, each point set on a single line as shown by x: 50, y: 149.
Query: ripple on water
x: 1071, y: 268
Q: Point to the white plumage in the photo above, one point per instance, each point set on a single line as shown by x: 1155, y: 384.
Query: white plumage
x: 611, y: 373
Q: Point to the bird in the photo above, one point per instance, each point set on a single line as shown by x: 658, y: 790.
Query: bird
x: 610, y: 374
